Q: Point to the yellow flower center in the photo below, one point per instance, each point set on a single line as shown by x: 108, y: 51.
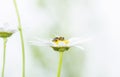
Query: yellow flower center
x: 63, y: 41
x: 61, y: 44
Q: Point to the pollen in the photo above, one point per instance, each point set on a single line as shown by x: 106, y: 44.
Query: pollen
x: 60, y: 41
x: 57, y: 42
x: 66, y: 41
x: 60, y: 44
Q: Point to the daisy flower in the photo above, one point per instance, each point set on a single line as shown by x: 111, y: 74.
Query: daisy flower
x: 6, y: 30
x: 60, y: 43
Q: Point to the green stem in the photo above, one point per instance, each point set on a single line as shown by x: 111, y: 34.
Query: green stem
x: 4, y: 56
x: 60, y: 63
x: 21, y: 37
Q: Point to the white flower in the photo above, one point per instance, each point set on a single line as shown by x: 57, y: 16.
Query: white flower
x: 6, y: 30
x: 59, y: 43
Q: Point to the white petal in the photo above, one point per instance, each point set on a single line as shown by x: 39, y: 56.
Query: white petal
x: 37, y: 43
x: 5, y: 27
x: 40, y: 42
x: 76, y: 41
x: 80, y: 47
x: 2, y: 28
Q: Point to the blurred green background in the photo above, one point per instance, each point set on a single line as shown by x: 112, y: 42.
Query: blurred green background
x: 44, y: 19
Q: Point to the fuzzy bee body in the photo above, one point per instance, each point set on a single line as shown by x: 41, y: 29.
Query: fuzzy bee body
x: 58, y: 39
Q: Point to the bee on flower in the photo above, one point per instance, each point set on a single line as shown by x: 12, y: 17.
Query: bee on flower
x: 59, y: 43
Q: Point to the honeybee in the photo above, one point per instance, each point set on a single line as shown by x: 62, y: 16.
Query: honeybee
x: 58, y: 38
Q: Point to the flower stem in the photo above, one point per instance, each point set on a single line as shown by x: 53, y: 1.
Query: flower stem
x: 4, y: 56
x: 21, y: 37
x: 60, y: 64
